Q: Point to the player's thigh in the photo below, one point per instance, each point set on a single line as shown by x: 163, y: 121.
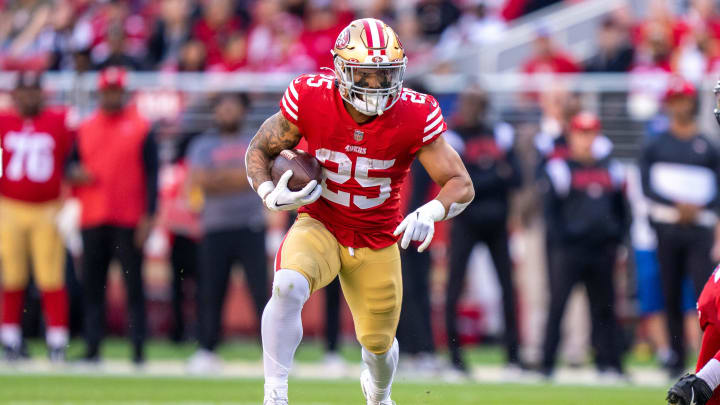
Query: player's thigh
x: 47, y: 250
x: 373, y: 291
x: 310, y: 249
x: 14, y: 244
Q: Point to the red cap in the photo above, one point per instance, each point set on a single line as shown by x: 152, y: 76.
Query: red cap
x: 677, y: 86
x: 585, y: 121
x: 112, y: 77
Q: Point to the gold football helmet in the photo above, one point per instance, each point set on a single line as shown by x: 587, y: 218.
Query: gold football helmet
x: 369, y: 50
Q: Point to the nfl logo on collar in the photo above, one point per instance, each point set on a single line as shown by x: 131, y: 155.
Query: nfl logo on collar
x: 358, y: 135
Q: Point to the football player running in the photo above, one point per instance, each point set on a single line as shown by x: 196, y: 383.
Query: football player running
x: 702, y: 388
x: 365, y: 129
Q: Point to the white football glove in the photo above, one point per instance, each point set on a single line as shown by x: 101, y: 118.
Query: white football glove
x: 280, y: 198
x: 419, y: 225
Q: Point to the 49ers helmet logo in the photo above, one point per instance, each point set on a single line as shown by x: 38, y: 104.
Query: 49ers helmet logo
x: 343, y: 39
x: 377, y: 59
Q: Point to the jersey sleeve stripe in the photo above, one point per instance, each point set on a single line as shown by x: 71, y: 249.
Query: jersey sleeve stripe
x: 293, y: 91
x: 430, y: 135
x: 288, y: 110
x: 289, y: 100
x: 432, y: 114
x: 434, y: 123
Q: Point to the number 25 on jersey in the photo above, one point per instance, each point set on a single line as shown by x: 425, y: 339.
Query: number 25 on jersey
x: 344, y: 173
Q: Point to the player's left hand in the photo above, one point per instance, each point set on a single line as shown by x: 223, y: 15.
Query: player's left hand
x: 689, y: 390
x: 420, y: 225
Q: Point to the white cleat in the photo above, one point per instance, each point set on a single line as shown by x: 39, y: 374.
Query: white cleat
x: 204, y: 362
x: 275, y: 397
x: 334, y: 366
x: 369, y: 390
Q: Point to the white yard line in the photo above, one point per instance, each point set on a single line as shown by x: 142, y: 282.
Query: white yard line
x: 639, y: 376
x: 94, y: 402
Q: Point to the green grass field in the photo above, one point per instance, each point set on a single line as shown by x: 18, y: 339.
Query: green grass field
x: 77, y: 390
x: 309, y: 351
x: 237, y: 350
x: 83, y: 388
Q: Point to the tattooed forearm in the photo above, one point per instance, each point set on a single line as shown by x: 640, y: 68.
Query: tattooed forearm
x: 275, y: 135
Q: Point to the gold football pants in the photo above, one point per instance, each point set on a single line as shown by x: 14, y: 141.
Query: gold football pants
x: 29, y: 239
x: 371, y: 279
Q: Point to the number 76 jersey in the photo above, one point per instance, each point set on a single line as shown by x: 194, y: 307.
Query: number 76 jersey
x: 364, y: 165
x: 34, y: 152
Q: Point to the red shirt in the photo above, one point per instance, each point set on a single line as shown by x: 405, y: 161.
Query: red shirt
x: 676, y: 30
x: 557, y: 63
x: 34, y: 152
x: 316, y: 43
x: 215, y: 38
x: 709, y: 301
x: 364, y: 165
x: 110, y: 149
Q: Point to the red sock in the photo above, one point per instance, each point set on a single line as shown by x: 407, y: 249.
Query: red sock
x: 55, y: 305
x: 12, y: 306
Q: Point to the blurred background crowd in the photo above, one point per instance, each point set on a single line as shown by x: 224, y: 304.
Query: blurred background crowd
x: 294, y: 35
x: 586, y: 126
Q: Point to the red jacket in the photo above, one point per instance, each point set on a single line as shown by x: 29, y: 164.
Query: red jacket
x: 110, y: 148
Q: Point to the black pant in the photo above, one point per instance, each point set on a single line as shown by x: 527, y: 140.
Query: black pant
x: 184, y: 260
x: 332, y: 315
x: 219, y: 250
x: 681, y: 251
x: 100, y: 245
x: 464, y: 235
x: 594, y: 267
x: 75, y: 295
x: 414, y: 329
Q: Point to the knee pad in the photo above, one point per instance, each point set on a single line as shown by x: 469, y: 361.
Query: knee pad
x: 376, y: 343
x: 291, y: 287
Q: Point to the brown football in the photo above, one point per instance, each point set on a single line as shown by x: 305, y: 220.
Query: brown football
x: 304, y: 166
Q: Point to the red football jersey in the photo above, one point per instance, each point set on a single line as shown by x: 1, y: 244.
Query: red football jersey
x: 364, y: 165
x: 709, y: 301
x: 708, y: 307
x: 34, y: 152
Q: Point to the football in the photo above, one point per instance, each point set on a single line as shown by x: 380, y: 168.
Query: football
x: 304, y: 166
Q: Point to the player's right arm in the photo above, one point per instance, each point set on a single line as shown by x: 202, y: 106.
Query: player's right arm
x: 276, y: 134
